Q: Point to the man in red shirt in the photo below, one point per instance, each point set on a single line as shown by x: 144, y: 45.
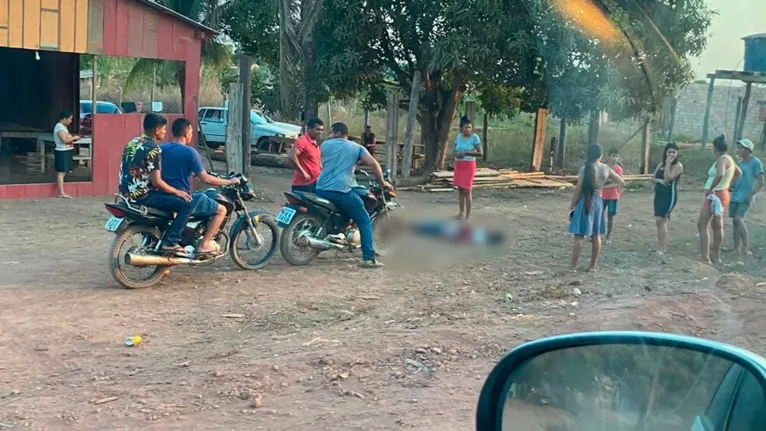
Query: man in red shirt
x: 306, y: 157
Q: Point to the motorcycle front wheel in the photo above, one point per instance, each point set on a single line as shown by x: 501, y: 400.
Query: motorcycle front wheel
x: 130, y: 277
x: 243, y: 241
x: 292, y: 251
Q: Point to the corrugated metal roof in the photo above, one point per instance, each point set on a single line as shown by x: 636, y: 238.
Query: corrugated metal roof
x: 755, y: 36
x: 176, y: 15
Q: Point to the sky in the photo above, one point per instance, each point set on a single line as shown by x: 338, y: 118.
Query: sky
x: 736, y: 19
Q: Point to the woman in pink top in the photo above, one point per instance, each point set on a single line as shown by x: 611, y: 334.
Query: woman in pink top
x: 611, y: 196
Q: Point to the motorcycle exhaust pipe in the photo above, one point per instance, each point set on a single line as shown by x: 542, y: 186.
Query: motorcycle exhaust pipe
x: 134, y: 259
x: 320, y: 244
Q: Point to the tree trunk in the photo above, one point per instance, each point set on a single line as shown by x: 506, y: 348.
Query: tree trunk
x: 485, y: 137
x: 437, y: 113
x: 309, y: 81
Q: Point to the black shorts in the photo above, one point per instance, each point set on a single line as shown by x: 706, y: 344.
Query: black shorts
x: 63, y: 160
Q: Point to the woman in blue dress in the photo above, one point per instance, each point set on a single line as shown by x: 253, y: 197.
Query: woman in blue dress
x: 586, y: 211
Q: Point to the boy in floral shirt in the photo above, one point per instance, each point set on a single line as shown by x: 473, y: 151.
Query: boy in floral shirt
x: 140, y: 180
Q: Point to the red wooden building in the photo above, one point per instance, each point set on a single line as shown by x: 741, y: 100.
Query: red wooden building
x: 45, y: 40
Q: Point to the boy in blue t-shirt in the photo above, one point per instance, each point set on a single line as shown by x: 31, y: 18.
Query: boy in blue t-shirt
x: 743, y: 193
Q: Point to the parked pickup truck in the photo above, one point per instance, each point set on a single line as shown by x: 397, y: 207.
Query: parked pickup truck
x: 213, y: 121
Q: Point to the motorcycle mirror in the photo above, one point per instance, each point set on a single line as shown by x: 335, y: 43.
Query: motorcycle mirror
x: 386, y: 173
x: 624, y: 381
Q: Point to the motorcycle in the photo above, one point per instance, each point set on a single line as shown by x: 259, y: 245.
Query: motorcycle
x: 311, y: 224
x: 131, y: 221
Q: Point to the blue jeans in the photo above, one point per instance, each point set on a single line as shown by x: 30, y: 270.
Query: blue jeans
x: 352, y: 206
x: 172, y: 203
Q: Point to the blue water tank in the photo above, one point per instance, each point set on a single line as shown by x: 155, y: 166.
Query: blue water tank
x: 755, y: 53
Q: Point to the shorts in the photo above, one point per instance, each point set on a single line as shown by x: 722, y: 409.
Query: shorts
x: 610, y: 206
x: 738, y: 209
x: 203, y: 206
x: 63, y: 160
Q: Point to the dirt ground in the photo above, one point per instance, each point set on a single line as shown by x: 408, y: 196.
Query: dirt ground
x: 325, y: 346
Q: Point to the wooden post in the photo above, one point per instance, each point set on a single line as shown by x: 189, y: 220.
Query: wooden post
x: 485, y: 137
x: 708, y: 106
x: 409, y: 134
x: 644, y: 167
x: 538, y: 144
x: 245, y: 79
x: 763, y: 137
x: 395, y: 158
x: 737, y: 114
x: 593, y: 127
x: 329, y: 113
x: 234, y: 147
x: 94, y: 85
x: 366, y: 117
x: 673, y: 104
x: 562, y: 142
x: 392, y: 147
x: 743, y: 116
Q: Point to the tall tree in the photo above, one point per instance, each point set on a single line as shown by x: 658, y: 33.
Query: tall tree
x: 456, y: 44
x: 280, y: 33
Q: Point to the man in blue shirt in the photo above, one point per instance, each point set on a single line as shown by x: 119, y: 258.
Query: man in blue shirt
x: 181, y: 162
x: 748, y: 184
x: 339, y: 159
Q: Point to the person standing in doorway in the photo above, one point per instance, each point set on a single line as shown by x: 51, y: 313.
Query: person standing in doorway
x: 721, y: 175
x: 64, y: 153
x: 749, y: 183
x: 611, y: 196
x: 665, y: 180
x: 467, y: 147
x: 368, y: 140
x: 306, y: 157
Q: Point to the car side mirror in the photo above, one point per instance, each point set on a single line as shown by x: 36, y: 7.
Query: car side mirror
x: 623, y: 381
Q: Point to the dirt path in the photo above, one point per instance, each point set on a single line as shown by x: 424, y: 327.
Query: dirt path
x: 325, y: 346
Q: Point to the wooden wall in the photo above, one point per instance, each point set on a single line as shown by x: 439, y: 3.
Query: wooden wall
x: 56, y: 25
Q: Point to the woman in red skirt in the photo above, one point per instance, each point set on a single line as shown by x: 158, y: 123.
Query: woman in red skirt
x: 467, y: 146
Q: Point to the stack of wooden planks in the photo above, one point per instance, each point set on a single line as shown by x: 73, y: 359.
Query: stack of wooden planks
x: 441, y: 181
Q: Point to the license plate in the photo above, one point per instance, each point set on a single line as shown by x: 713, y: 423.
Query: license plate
x: 113, y: 224
x: 286, y: 215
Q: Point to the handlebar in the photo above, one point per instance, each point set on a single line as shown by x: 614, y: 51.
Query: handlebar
x: 242, y: 179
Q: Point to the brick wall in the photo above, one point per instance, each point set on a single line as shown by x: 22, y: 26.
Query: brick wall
x: 690, y: 110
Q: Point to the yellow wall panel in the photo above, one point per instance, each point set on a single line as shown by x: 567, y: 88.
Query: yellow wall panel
x: 81, y: 26
x: 50, y: 4
x: 31, y: 24
x: 49, y: 29
x: 66, y: 44
x: 15, y: 23
x: 3, y: 37
x: 3, y: 13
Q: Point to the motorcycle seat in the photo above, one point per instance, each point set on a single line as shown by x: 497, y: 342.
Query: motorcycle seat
x: 320, y: 201
x: 156, y: 212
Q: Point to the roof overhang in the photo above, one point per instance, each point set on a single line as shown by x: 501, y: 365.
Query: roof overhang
x: 162, y: 9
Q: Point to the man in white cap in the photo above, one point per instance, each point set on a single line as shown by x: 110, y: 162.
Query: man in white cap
x: 743, y: 193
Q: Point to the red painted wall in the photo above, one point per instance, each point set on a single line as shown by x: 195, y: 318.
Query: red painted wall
x: 130, y: 30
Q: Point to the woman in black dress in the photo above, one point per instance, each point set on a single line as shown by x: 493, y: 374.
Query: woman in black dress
x: 665, y: 180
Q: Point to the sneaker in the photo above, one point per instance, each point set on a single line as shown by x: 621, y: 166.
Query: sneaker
x: 372, y: 263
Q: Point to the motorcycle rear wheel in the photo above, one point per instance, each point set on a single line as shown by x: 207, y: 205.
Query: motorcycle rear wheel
x: 116, y: 260
x: 290, y: 236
